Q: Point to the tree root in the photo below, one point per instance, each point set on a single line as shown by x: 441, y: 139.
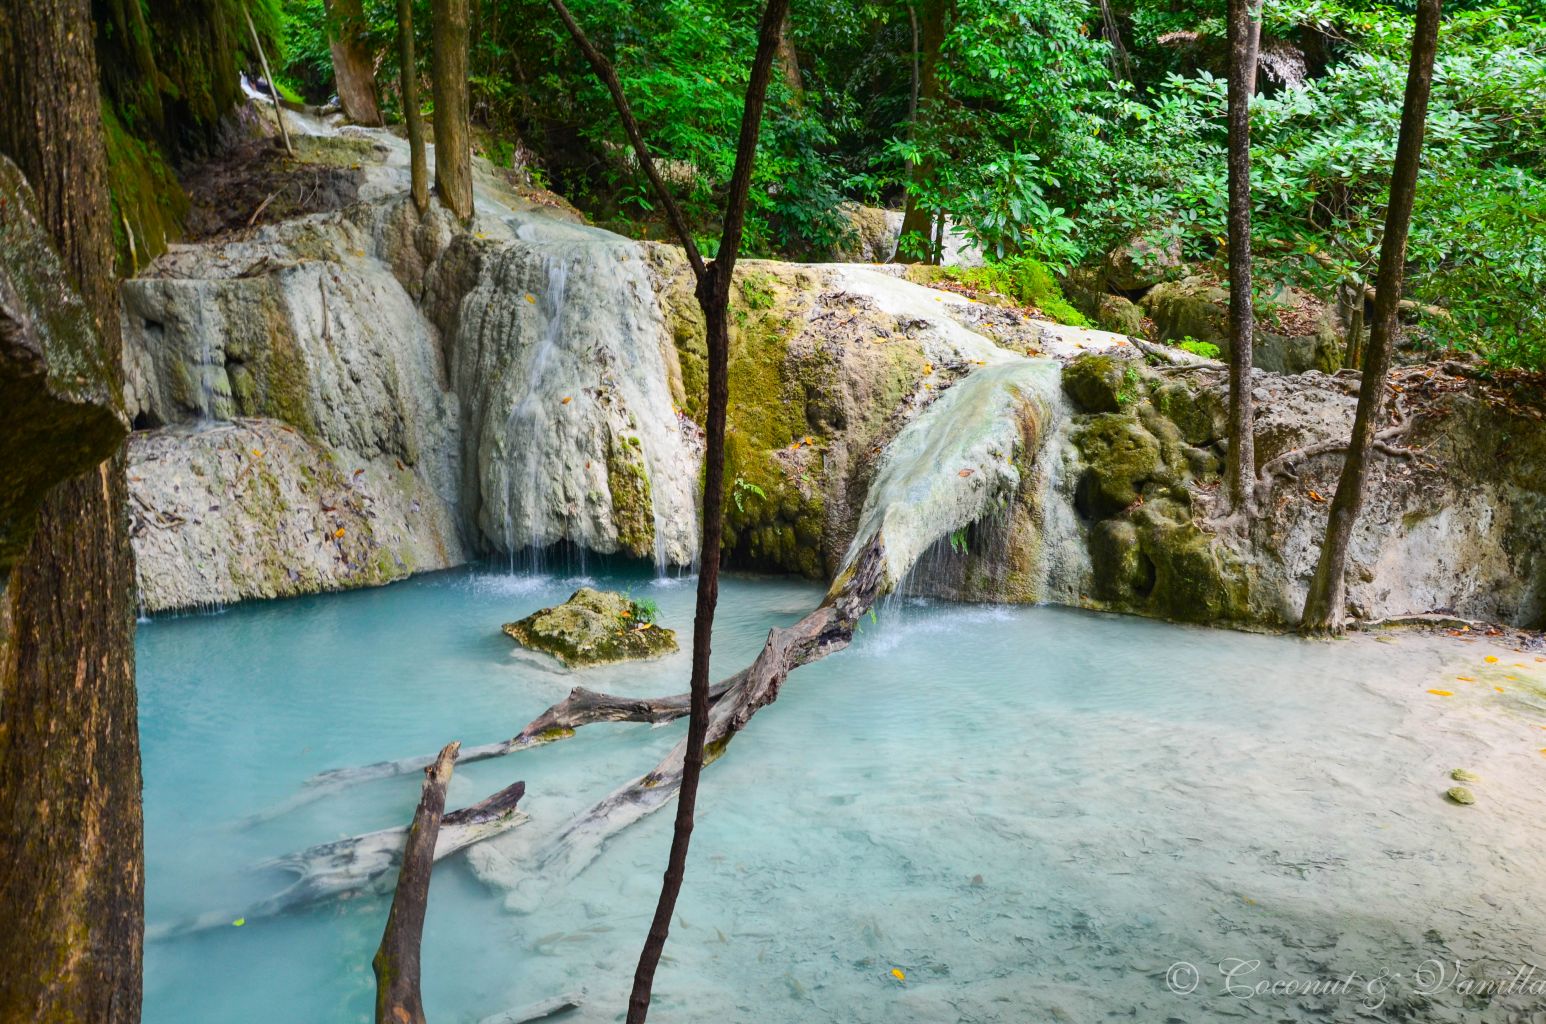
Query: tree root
x: 1286, y: 466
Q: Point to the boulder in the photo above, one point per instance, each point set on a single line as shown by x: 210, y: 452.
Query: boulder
x: 1100, y: 383
x: 1194, y: 307
x: 1143, y: 262
x: 593, y: 627
x: 1120, y: 315
x: 1120, y: 457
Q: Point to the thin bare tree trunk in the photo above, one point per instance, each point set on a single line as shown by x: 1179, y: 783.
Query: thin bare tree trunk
x: 273, y: 90
x: 398, y: 1000
x: 1325, y: 605
x: 453, y: 132
x: 71, y: 839
x: 1241, y: 469
x: 918, y: 219
x: 1355, y: 328
x: 1121, y: 66
x: 413, y: 117
x: 789, y: 63
x: 354, y: 71
x: 713, y: 294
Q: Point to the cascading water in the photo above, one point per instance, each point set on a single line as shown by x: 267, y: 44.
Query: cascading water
x: 571, y: 435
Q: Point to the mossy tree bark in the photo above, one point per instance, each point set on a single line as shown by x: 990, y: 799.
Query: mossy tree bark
x: 71, y: 849
x: 453, y: 133
x: 918, y: 218
x: 713, y: 295
x: 413, y: 117
x: 1243, y: 42
x: 354, y: 71
x: 1325, y: 605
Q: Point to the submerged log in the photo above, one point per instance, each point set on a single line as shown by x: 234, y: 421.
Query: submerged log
x: 361, y: 863
x: 824, y: 631
x: 581, y: 708
x: 396, y: 963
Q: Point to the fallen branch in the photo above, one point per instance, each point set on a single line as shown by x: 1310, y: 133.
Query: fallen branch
x: 396, y: 964
x: 545, y: 1010
x: 582, y: 707
x: 824, y: 631
x: 360, y: 863
x: 1173, y: 356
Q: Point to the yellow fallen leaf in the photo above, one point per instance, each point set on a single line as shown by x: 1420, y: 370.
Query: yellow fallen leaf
x: 257, y: 453
x: 567, y: 400
x: 238, y: 922
x: 1491, y: 659
x: 1441, y: 693
x: 531, y: 298
x: 1315, y: 496
x: 1500, y: 689
x: 806, y: 441
x: 899, y: 975
x: 338, y: 532
x: 1465, y: 679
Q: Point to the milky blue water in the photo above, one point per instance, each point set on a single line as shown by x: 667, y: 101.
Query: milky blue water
x: 1030, y: 813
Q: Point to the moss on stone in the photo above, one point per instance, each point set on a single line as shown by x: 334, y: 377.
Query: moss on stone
x: 1100, y: 383
x: 593, y: 627
x: 148, y: 202
x: 633, y: 508
x: 1120, y: 457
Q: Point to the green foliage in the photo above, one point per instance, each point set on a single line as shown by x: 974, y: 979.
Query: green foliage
x: 742, y: 488
x: 1026, y: 281
x: 1206, y: 349
x: 643, y: 610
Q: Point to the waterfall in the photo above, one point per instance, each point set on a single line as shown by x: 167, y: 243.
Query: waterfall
x: 570, y: 432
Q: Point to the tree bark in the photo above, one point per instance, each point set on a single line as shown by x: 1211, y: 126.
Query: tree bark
x: 413, y: 117
x: 453, y: 132
x: 71, y: 847
x: 1325, y: 604
x: 398, y: 1000
x: 354, y: 71
x: 789, y: 63
x: 1355, y: 329
x: 1241, y: 468
x: 917, y: 219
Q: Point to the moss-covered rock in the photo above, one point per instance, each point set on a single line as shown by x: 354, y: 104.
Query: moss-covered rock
x: 1193, y: 307
x: 1196, y: 577
x: 1460, y: 795
x: 1098, y: 383
x: 1140, y: 263
x: 1120, y: 456
x: 1120, y: 314
x: 1198, y: 413
x: 593, y: 627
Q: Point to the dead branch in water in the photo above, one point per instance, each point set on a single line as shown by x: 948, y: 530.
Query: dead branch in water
x: 396, y: 964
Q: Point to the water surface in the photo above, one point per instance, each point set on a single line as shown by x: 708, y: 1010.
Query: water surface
x: 1031, y: 813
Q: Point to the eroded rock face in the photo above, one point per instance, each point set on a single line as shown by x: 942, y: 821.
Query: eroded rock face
x: 256, y: 508
x: 1301, y: 333
x: 593, y: 627
x: 1454, y: 528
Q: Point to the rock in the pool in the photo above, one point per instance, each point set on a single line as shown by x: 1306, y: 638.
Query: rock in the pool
x: 594, y: 627
x: 1460, y: 795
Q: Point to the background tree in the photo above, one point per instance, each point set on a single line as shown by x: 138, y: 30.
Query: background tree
x: 713, y: 294
x: 354, y: 66
x: 71, y: 841
x: 1244, y: 38
x: 413, y: 117
x: 1325, y: 605
x: 918, y: 216
x: 453, y: 131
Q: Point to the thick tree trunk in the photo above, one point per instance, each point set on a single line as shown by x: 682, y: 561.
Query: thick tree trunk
x: 1325, y: 605
x: 413, y: 117
x: 789, y: 63
x: 398, y: 1000
x: 354, y: 72
x: 1241, y: 469
x: 453, y: 132
x: 71, y: 853
x: 918, y: 219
